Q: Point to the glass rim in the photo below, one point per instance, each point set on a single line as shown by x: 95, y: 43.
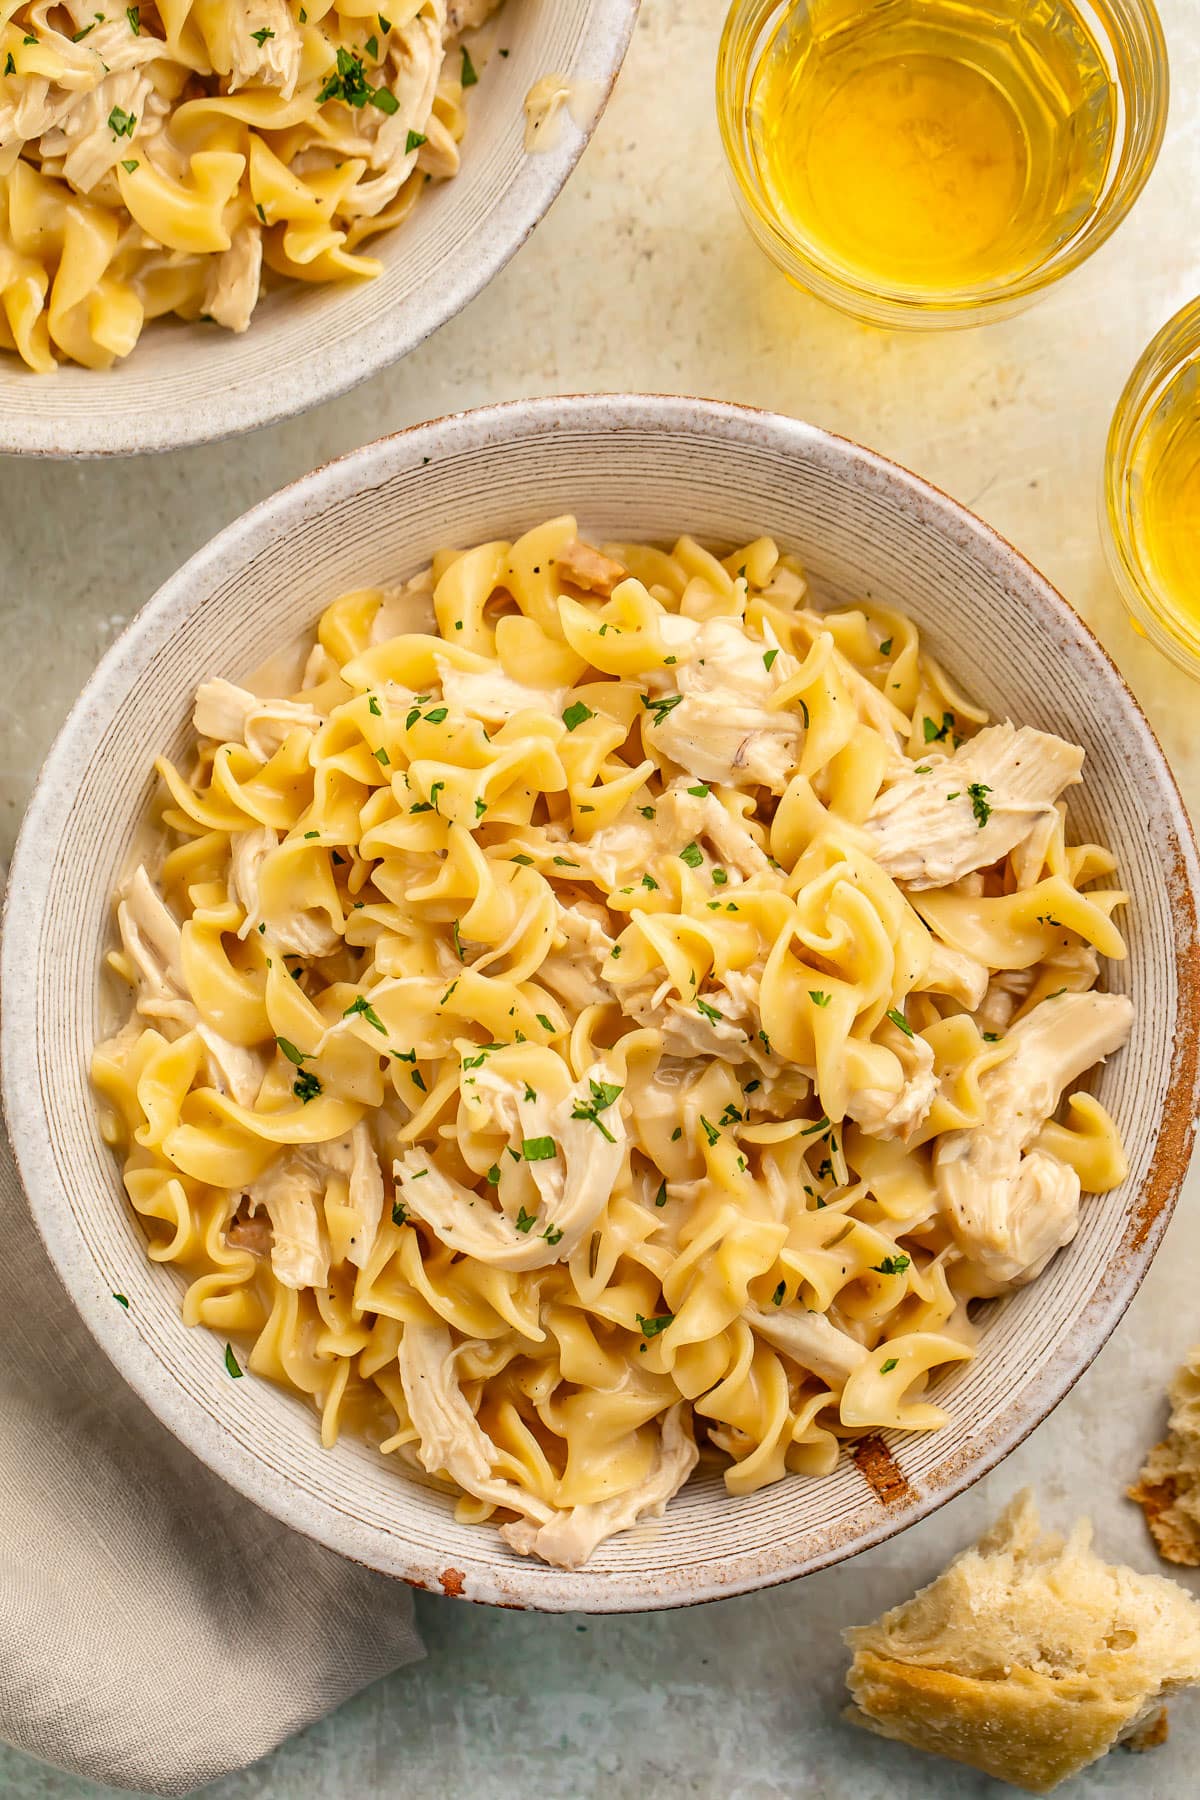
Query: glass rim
x: 1146, y: 600
x: 1146, y: 82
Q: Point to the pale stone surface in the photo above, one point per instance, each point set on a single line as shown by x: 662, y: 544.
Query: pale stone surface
x: 643, y: 276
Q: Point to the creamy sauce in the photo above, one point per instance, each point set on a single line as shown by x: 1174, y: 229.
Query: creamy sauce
x: 549, y: 99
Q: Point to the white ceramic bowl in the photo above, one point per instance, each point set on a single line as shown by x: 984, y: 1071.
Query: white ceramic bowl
x: 192, y: 384
x: 636, y: 468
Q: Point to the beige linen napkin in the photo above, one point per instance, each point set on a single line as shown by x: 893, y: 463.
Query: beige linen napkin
x: 156, y: 1630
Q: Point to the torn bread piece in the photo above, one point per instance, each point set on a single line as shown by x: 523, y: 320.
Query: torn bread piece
x: 1168, y: 1488
x: 1028, y: 1657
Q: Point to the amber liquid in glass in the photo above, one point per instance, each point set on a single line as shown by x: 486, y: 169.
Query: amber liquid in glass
x: 933, y: 145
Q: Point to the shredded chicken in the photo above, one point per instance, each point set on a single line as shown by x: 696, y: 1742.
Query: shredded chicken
x: 153, y: 942
x: 1010, y: 1210
x: 450, y: 1440
x: 589, y: 569
x: 722, y: 729
x: 569, y: 1538
x: 493, y: 697
x: 235, y: 1070
x: 233, y: 280
x: 898, y: 1112
x: 266, y: 46
x: 810, y: 1339
x: 973, y: 808
x: 292, y: 1189
x: 230, y: 714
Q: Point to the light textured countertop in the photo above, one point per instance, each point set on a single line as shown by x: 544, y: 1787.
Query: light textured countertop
x: 643, y: 277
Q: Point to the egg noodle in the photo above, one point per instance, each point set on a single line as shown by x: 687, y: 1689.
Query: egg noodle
x: 608, y: 1004
x: 154, y: 157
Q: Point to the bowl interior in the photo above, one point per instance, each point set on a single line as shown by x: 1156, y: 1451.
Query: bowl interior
x: 629, y: 468
x: 189, y: 384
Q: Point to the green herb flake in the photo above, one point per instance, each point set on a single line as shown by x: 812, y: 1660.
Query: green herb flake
x: 885, y: 649
x: 822, y: 1124
x: 539, y: 1149
x: 290, y: 1051
x: 131, y: 165
x: 10, y: 67
x: 979, y: 805
x: 710, y: 1131
x: 231, y: 1363
x: 660, y: 1199
x: 371, y: 47
x: 660, y: 708
x: 260, y: 37
x: 493, y: 1175
x: 648, y: 881
x: 469, y: 76
x: 77, y: 37
x: 937, y: 734
x: 121, y: 1301
x: 769, y: 657
x: 576, y: 714
x: 651, y: 1327
x: 526, y: 862
x: 553, y: 1235
x: 385, y: 25
x: 364, y: 1007
x: 899, y: 1021
x: 819, y: 997
x: 544, y: 1022
x: 692, y: 855
x: 886, y: 1368
x: 677, y: 1134
x: 399, y: 1213
x: 564, y: 862
x: 778, y: 1295
x: 381, y: 756
x: 437, y: 715
x: 413, y: 141
x: 892, y: 1265
x: 306, y: 1086
x: 603, y: 1095
x: 525, y: 1221
x: 384, y: 101
x: 991, y: 1037
x: 710, y: 1012
x: 374, y: 708
x: 120, y: 122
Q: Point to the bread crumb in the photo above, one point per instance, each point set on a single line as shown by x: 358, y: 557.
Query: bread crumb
x: 1168, y: 1488
x: 1028, y: 1657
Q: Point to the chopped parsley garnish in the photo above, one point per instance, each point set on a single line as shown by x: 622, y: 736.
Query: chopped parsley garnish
x: 660, y: 1199
x: 991, y: 1037
x: 385, y: 101
x: 480, y: 808
x: 493, y: 1175
x: 660, y: 708
x: 710, y: 1013
x: 348, y: 83
x: 461, y: 953
x: 231, y: 1363
x: 374, y: 708
x: 892, y: 1265
x: 885, y: 649
x: 539, y: 1149
x: 701, y: 792
x: 651, y: 1327
x: 576, y: 713
x: 469, y: 77
x: 923, y: 769
x: 526, y: 862
x: 648, y: 881
x: 135, y: 20
x: 553, y: 1234
x: 120, y: 122
x: 887, y: 1367
x: 413, y: 141
x: 692, y: 855
x: 306, y: 1087
x: 647, y: 812
x: 544, y: 1022
x: 412, y: 718
x: 615, y: 951
x: 822, y: 1124
x: 525, y: 1221
x: 290, y: 1051
x: 258, y: 207
x: 418, y: 1080
x: 979, y: 805
x: 769, y: 657
x: 819, y: 997
x: 564, y: 862
x: 260, y: 37
x: 677, y: 1134
x: 719, y: 877
x: 399, y: 1213
x: 604, y: 1094
x: 710, y: 1131
x: 954, y: 795
x: 121, y: 1301
x: 131, y: 165
x: 777, y: 1296
x: 385, y: 25
x: 311, y: 834
x: 434, y: 791
x: 899, y: 1021
x: 77, y: 37
x: 363, y: 1006
x: 937, y: 734
x: 371, y: 47
x: 381, y: 756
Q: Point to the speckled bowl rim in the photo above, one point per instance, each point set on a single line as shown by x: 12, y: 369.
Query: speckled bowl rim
x: 265, y: 525
x: 391, y: 333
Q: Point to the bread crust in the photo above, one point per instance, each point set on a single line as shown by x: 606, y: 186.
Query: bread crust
x: 1028, y: 1657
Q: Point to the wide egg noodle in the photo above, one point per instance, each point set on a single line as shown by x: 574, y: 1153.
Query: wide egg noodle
x: 553, y: 1110
x: 175, y: 155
